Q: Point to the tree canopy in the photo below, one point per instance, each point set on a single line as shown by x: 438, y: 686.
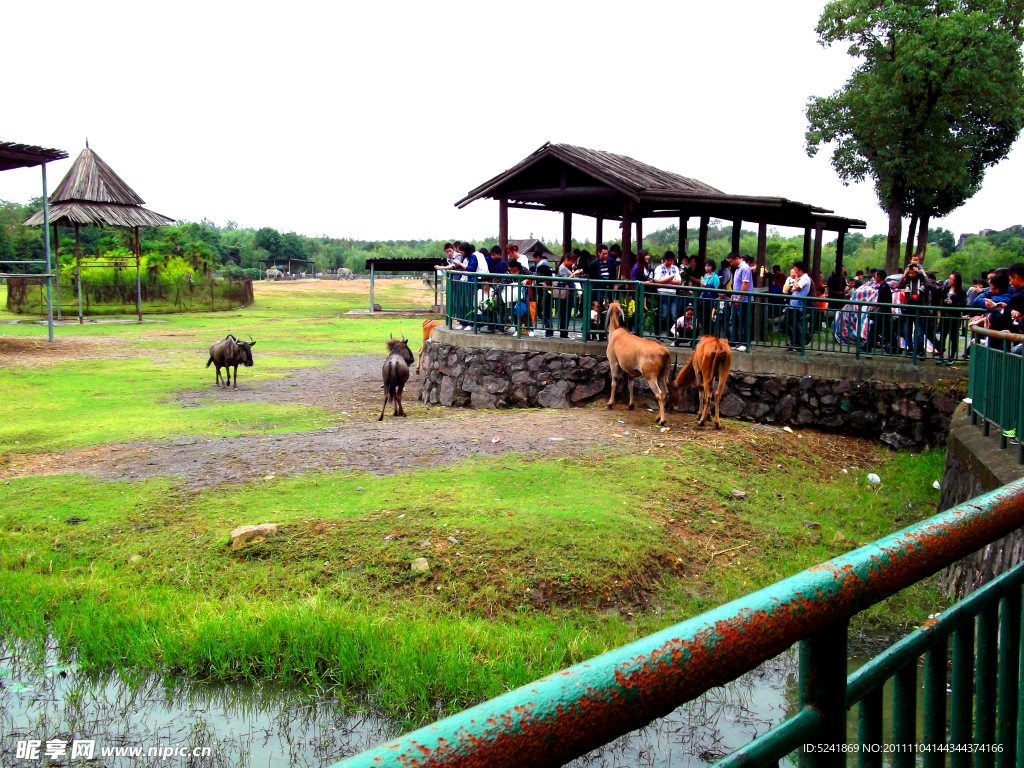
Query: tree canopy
x: 937, y: 97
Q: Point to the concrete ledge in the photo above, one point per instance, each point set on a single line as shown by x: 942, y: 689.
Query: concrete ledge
x: 760, y: 360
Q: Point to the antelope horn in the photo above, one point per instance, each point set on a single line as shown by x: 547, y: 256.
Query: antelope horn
x: 251, y: 339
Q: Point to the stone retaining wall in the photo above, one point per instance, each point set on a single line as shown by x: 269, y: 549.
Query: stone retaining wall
x: 903, y: 414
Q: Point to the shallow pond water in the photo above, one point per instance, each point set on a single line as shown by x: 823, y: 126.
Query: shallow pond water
x: 240, y: 724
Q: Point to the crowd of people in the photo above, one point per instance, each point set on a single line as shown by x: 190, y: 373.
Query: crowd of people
x: 908, y: 313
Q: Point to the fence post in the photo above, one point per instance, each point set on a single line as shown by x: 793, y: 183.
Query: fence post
x: 823, y: 688
x: 586, y: 309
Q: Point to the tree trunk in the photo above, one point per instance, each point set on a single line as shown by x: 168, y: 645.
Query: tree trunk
x: 911, y: 231
x: 922, y: 237
x: 892, y: 245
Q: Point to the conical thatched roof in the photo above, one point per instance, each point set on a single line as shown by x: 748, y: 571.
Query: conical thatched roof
x: 92, y: 194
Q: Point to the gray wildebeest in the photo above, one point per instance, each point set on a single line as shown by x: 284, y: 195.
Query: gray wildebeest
x: 231, y: 352
x: 395, y: 373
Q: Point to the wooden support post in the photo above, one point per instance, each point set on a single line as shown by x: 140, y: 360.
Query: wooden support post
x: 626, y: 267
x: 807, y: 246
x: 840, y: 242
x: 371, y: 287
x: 816, y: 267
x: 78, y: 273
x: 49, y: 267
x: 702, y: 238
x: 502, y: 227
x: 138, y: 277
x: 762, y: 250
x: 600, y: 231
x: 639, y: 234
x: 737, y: 228
x: 56, y: 267
x: 566, y: 232
x: 683, y: 250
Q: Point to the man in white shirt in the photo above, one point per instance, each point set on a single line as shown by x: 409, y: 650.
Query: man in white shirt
x: 739, y: 319
x: 796, y: 326
x: 666, y: 277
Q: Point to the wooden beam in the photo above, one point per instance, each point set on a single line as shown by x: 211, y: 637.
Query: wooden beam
x: 839, y: 251
x: 566, y: 233
x: 56, y: 267
x: 762, y: 248
x: 683, y: 223
x: 816, y: 267
x: 544, y: 194
x: 737, y: 227
x: 807, y: 246
x: 600, y: 231
x: 702, y: 239
x: 626, y: 267
x: 503, y: 224
x: 78, y: 273
x: 639, y: 233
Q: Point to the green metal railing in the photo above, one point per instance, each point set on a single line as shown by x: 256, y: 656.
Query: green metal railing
x: 996, y: 387
x: 572, y: 712
x: 574, y: 308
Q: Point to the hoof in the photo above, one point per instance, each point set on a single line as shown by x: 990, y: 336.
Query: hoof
x: 630, y: 407
x: 609, y: 406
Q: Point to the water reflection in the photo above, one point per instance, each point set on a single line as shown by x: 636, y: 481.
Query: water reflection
x: 274, y: 726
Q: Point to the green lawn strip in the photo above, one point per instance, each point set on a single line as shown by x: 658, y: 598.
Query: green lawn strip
x: 91, y: 402
x: 556, y: 561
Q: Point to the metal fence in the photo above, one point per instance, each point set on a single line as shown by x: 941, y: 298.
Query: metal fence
x: 575, y: 307
x: 569, y: 713
x: 996, y: 387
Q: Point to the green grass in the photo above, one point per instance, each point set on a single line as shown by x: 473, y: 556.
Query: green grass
x: 543, y: 575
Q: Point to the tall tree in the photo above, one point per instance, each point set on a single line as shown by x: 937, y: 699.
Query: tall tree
x: 936, y: 98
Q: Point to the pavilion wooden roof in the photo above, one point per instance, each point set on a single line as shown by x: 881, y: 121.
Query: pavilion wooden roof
x: 92, y: 194
x: 531, y: 246
x: 14, y: 155
x: 567, y: 178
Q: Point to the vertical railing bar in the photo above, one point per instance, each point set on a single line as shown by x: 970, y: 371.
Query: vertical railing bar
x: 934, y: 736
x: 823, y: 687
x: 1009, y: 668
x: 985, y: 685
x: 869, y: 729
x: 962, y: 686
x: 904, y: 715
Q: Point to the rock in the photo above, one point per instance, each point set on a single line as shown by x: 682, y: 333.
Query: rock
x: 521, y: 378
x: 772, y: 386
x: 812, y: 525
x: 785, y: 407
x: 732, y: 406
x: 804, y: 416
x: 495, y: 385
x: 425, y: 543
x: 134, y: 558
x: 897, y: 441
x: 453, y: 540
x: 806, y: 382
x: 750, y: 380
x: 760, y: 410
x: 555, y: 395
x: 420, y: 565
x: 907, y: 408
x: 814, y: 538
x: 481, y: 399
x: 944, y: 404
x: 248, y: 534
x: 585, y: 391
x: 739, y: 494
x: 446, y: 394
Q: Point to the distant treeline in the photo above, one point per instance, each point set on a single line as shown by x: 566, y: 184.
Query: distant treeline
x: 203, y: 247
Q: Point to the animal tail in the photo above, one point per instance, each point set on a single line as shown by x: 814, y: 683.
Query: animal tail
x: 209, y: 362
x: 686, y: 376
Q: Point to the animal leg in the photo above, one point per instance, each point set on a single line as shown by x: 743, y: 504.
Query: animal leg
x: 718, y: 400
x: 631, y: 403
x: 613, y: 369
x: 660, y: 391
x: 236, y: 377
x: 227, y: 376
x: 386, y: 398
x: 401, y: 409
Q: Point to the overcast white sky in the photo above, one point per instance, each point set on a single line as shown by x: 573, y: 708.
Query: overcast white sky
x: 369, y: 120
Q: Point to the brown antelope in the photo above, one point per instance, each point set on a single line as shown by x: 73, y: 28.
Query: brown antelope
x: 636, y: 357
x: 712, y: 359
x: 428, y: 330
x: 395, y: 374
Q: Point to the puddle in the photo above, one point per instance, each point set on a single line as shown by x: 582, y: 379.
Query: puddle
x: 241, y: 724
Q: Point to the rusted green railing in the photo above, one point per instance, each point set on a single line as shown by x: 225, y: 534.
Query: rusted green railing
x: 677, y: 315
x: 572, y: 712
x: 996, y: 386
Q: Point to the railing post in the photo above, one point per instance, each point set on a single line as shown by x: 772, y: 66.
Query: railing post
x: 587, y: 301
x: 823, y: 688
x: 985, y: 414
x: 985, y: 685
x: 869, y: 728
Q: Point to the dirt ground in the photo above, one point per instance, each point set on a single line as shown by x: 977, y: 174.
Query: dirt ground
x: 350, y: 387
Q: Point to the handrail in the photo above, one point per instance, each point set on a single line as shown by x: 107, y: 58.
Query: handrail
x: 1016, y: 338
x: 571, y: 712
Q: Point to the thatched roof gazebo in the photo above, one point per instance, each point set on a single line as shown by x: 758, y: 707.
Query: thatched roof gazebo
x: 568, y: 179
x: 13, y: 155
x: 92, y: 194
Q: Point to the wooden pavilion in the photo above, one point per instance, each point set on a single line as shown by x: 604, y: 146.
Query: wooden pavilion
x: 573, y: 180
x: 28, y: 156
x: 91, y: 194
